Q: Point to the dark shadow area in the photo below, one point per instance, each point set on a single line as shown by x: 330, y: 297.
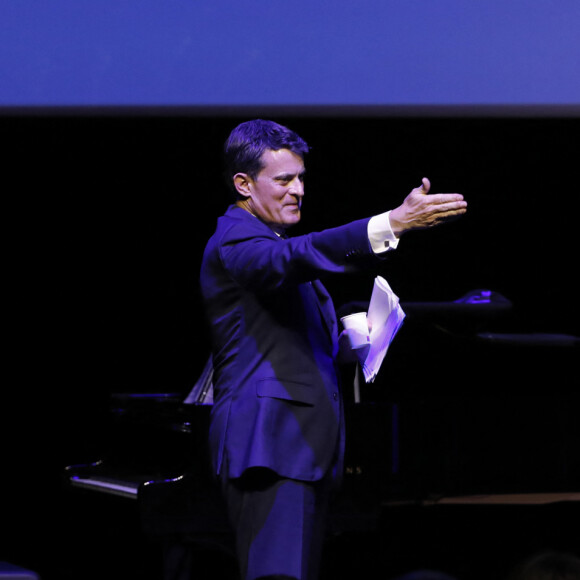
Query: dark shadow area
x: 107, y: 218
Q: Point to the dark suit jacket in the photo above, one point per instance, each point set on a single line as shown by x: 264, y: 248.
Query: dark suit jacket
x: 277, y: 400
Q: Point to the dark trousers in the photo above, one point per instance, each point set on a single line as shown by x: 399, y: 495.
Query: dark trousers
x: 279, y: 524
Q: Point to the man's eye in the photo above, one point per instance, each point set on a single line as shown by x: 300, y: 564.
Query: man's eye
x: 288, y: 179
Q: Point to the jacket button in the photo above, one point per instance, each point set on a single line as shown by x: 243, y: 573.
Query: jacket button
x: 335, y: 396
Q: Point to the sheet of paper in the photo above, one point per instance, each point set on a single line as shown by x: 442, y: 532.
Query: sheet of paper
x: 385, y: 317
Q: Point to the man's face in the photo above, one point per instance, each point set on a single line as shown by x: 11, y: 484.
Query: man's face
x: 275, y: 196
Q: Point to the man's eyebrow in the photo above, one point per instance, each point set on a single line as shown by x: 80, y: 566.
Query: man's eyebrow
x: 287, y: 176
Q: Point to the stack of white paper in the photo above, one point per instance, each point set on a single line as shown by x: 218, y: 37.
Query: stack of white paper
x: 385, y: 317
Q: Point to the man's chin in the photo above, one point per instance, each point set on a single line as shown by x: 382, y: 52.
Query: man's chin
x: 293, y: 219
x: 293, y: 213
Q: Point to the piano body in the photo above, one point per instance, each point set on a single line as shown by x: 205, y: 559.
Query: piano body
x: 155, y: 471
x: 499, y: 420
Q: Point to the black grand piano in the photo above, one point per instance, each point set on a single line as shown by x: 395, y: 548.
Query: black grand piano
x: 497, y: 426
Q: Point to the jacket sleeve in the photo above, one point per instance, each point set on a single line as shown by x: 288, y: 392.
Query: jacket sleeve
x: 258, y: 260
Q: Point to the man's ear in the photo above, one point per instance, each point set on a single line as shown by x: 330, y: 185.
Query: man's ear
x: 242, y: 183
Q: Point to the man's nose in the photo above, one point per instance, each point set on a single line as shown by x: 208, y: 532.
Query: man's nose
x: 297, y: 186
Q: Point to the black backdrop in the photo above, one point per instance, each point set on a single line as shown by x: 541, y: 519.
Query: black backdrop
x: 110, y: 214
x: 107, y: 216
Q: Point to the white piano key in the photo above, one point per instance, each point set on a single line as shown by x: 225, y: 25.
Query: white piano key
x: 124, y: 489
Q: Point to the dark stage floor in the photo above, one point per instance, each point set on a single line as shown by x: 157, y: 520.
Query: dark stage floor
x: 470, y: 538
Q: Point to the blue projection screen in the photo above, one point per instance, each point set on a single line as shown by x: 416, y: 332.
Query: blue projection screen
x: 227, y: 53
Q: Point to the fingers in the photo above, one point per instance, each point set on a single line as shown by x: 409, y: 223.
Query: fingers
x: 438, y: 208
x: 446, y: 217
x: 438, y: 198
x: 452, y: 199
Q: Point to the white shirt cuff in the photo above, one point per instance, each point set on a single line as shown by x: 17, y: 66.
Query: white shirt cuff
x: 380, y: 234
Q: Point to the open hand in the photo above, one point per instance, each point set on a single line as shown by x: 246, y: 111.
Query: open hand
x: 422, y: 210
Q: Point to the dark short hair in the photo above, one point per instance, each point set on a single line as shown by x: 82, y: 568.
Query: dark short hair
x: 246, y: 144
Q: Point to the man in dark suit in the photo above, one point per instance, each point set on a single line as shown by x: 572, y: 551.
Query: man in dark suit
x: 277, y: 430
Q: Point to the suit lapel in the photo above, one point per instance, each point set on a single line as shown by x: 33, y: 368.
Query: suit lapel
x: 324, y: 303
x: 326, y: 308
